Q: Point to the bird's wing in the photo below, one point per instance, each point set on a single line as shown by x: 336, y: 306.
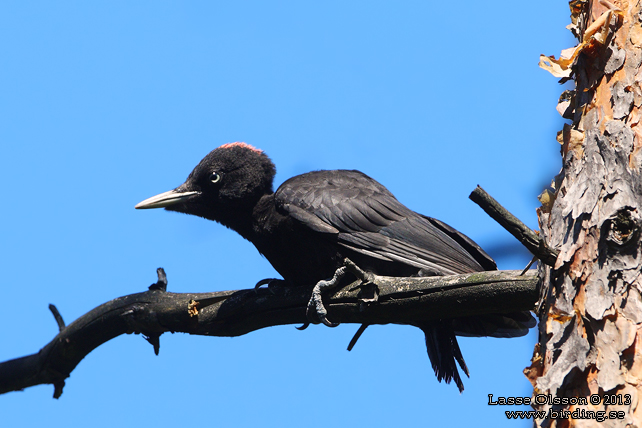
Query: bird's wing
x: 365, y: 217
x: 468, y: 244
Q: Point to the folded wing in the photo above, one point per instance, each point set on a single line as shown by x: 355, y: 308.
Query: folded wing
x: 365, y: 217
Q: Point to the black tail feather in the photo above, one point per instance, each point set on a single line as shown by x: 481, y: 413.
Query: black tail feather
x: 458, y: 355
x: 443, y: 351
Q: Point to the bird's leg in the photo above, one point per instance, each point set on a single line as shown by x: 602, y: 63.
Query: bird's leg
x: 316, y: 301
x: 364, y: 276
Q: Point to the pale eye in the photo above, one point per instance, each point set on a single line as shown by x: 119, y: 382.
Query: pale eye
x: 215, y: 177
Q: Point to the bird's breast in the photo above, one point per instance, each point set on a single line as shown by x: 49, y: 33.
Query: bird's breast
x: 299, y: 254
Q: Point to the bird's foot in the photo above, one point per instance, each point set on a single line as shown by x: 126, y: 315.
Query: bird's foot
x: 315, y: 305
x: 274, y: 285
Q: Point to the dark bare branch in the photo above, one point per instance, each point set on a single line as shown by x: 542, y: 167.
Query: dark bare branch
x: 531, y: 240
x: 57, y: 316
x: 237, y: 312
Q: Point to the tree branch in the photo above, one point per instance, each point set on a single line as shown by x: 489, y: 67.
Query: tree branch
x: 524, y: 234
x: 237, y: 312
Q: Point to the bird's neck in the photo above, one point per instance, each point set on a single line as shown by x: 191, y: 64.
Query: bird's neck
x: 245, y: 217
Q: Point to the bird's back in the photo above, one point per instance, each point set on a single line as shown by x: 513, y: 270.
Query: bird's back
x: 365, y: 220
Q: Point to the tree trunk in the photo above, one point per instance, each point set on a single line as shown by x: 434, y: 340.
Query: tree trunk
x: 591, y: 310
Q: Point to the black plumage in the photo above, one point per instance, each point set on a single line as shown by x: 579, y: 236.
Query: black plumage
x: 314, y: 221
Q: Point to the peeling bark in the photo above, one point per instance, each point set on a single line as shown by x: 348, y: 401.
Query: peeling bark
x: 591, y: 309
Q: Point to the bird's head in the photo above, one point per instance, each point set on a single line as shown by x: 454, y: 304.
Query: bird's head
x: 225, y: 185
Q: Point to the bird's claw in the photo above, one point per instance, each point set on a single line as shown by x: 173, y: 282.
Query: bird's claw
x: 303, y: 327
x: 274, y: 285
x: 264, y: 281
x: 315, y: 305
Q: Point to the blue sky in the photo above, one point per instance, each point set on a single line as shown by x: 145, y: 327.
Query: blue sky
x: 103, y: 104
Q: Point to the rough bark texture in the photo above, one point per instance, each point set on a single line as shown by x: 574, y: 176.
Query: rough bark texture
x: 591, y: 314
x: 237, y: 312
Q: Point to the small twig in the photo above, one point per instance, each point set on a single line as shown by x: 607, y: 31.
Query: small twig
x: 58, y: 387
x: 528, y: 266
x: 161, y: 284
x: 57, y: 316
x: 357, y: 335
x: 154, y: 340
x: 534, y: 243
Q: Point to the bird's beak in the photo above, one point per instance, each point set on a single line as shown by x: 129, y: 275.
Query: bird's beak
x: 166, y: 199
